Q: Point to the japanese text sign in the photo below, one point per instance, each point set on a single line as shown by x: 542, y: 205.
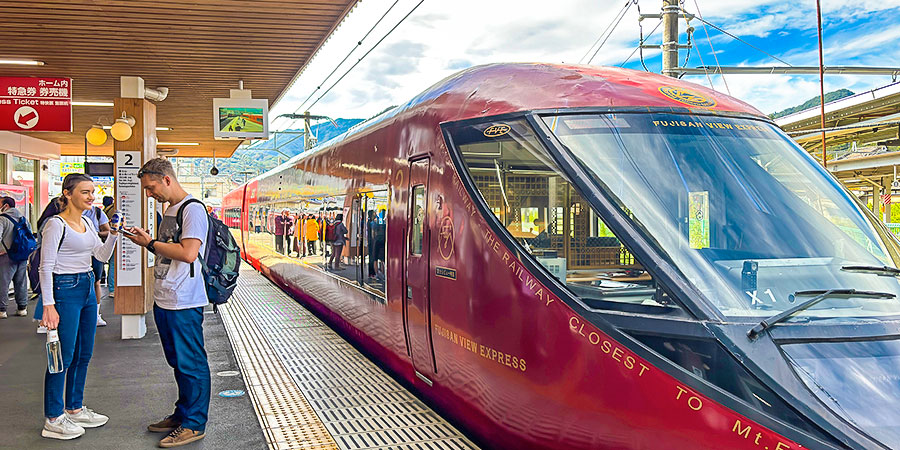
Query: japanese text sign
x: 35, y: 104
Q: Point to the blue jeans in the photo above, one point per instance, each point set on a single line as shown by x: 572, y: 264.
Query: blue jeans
x: 77, y: 309
x: 181, y: 334
x: 13, y: 271
x: 111, y: 275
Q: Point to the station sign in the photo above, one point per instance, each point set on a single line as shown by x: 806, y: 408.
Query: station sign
x: 35, y: 104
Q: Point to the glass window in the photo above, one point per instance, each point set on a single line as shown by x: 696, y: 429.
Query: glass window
x: 373, y: 238
x: 859, y: 381
x: 418, y: 220
x: 720, y: 195
x: 543, y: 211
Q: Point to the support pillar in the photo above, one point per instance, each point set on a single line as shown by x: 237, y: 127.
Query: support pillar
x: 886, y: 186
x: 134, y: 276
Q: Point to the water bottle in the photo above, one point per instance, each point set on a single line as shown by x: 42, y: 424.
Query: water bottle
x: 54, y: 352
x: 114, y: 221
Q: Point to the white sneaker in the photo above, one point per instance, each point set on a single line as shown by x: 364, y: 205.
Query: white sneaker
x: 62, y: 428
x: 21, y: 312
x: 112, y: 294
x: 41, y: 329
x: 87, y: 418
x: 3, y: 314
x: 100, y: 321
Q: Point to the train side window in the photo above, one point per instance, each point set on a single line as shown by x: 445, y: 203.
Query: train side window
x: 418, y: 220
x: 372, y: 231
x: 543, y: 211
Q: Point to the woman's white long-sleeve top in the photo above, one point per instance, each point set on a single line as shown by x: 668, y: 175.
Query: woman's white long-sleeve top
x: 74, y: 256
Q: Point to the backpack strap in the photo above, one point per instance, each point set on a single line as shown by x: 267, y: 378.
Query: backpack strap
x: 179, y: 219
x: 5, y: 248
x: 63, y: 237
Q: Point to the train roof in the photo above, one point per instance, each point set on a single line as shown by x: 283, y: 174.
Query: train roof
x: 501, y: 88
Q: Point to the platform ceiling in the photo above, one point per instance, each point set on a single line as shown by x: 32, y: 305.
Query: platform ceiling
x: 199, y: 49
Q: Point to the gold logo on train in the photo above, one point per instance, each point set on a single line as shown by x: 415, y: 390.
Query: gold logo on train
x: 687, y: 97
x: 496, y: 130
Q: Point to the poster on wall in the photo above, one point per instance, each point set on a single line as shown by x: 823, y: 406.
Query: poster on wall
x: 128, y: 197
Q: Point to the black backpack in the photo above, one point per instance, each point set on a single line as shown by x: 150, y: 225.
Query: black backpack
x: 220, y: 262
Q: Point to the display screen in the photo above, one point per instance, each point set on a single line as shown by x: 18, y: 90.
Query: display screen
x: 241, y: 119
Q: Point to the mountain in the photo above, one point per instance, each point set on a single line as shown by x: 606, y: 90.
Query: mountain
x: 813, y: 102
x: 259, y: 156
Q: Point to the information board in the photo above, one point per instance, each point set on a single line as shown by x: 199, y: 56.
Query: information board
x: 128, y: 196
x: 35, y: 104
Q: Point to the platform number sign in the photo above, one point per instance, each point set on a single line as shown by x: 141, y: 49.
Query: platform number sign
x: 129, y: 203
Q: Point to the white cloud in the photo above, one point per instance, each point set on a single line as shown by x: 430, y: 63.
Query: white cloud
x: 438, y: 40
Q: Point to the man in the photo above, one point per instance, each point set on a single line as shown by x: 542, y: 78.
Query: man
x: 101, y: 224
x: 282, y: 229
x: 11, y: 270
x: 179, y: 295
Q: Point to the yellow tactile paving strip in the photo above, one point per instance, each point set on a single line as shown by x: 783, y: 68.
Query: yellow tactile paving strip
x: 287, y: 419
x: 301, y: 375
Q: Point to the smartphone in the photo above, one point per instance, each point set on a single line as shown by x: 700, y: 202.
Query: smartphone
x: 126, y: 232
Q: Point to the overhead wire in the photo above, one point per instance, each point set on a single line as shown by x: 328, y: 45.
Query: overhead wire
x: 709, y: 41
x: 725, y: 32
x: 367, y: 53
x: 347, y: 56
x: 627, y: 6
x: 641, y: 43
x: 615, y: 20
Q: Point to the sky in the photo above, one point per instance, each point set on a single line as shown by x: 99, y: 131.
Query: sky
x: 440, y: 38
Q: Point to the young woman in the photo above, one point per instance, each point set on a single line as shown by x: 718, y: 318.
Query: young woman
x: 70, y: 307
x: 337, y: 246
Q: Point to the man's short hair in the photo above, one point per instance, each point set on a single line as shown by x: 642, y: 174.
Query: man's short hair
x: 8, y: 201
x: 157, y: 168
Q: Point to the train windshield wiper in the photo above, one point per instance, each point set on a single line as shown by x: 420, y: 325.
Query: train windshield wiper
x: 819, y: 295
x: 879, y: 270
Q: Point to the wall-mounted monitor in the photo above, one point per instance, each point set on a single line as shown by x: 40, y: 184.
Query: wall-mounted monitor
x: 241, y: 118
x: 99, y: 169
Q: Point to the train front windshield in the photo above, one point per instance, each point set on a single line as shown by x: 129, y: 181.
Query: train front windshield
x: 744, y: 213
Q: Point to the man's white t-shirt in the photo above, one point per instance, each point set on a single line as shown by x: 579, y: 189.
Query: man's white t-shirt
x: 175, y: 288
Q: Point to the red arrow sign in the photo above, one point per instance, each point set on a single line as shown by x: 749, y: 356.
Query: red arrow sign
x: 24, y: 119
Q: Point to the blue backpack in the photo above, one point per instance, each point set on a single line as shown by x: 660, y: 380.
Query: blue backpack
x: 23, y: 240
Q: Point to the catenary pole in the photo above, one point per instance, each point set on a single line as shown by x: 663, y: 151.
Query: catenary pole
x: 821, y: 81
x: 670, y: 11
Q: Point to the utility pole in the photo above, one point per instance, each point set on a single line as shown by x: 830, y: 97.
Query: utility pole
x: 307, y: 131
x: 670, y: 11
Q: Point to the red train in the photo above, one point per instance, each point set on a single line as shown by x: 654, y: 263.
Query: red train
x: 581, y: 257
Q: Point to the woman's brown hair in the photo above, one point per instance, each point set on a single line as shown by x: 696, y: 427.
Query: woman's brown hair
x: 69, y: 182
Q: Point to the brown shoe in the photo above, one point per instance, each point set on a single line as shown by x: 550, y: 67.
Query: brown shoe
x: 164, y: 426
x: 181, y: 436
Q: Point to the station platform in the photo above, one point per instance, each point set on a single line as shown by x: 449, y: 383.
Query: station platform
x: 306, y: 387
x: 313, y: 390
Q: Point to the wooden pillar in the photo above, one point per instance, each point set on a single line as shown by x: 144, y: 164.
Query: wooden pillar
x: 134, y: 294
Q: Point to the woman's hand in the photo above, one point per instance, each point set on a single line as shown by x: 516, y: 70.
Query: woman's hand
x: 50, y: 318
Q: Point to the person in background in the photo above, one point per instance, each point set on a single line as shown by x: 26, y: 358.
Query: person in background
x: 371, y: 222
x: 109, y: 208
x: 337, y: 246
x: 179, y: 296
x: 298, y: 234
x: 312, y: 233
x: 69, y: 306
x: 11, y: 270
x: 101, y: 223
x: 282, y: 227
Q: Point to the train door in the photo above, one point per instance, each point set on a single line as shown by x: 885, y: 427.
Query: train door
x: 417, y: 300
